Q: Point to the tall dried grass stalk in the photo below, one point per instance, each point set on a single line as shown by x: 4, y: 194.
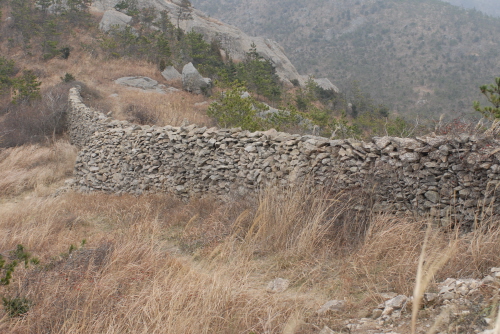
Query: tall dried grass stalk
x: 427, y: 268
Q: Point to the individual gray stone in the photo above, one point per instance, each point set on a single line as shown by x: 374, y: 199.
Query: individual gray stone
x: 331, y: 306
x: 278, y: 285
x: 448, y: 296
x: 377, y: 313
x: 388, y: 295
x: 327, y: 330
x: 410, y: 157
x: 397, y: 302
x: 430, y: 298
x: 382, y: 142
x: 432, y: 196
x: 113, y: 19
x: 192, y: 81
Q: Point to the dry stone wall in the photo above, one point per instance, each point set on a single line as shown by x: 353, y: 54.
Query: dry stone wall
x: 448, y: 178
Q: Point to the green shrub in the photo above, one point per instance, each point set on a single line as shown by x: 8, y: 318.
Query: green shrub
x: 26, y: 88
x: 492, y: 93
x: 68, y: 78
x: 7, y: 72
x: 16, y: 307
x: 257, y: 73
x: 233, y: 110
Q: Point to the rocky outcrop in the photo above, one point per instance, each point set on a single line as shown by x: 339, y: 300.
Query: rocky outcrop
x: 326, y: 84
x: 451, y: 179
x: 145, y: 83
x: 171, y: 74
x: 231, y: 39
x: 193, y: 81
x: 114, y: 19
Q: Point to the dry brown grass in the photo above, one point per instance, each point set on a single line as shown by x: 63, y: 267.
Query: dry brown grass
x: 169, y: 109
x: 35, y: 167
x: 155, y: 264
x: 99, y: 74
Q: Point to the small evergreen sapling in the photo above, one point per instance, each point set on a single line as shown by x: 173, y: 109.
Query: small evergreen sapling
x: 492, y: 93
x: 15, y: 306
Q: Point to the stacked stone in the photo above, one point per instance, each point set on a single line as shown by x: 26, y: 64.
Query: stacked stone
x: 451, y: 179
x: 83, y: 122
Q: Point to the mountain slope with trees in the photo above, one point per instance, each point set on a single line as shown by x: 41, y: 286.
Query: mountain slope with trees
x: 489, y: 7
x: 422, y: 57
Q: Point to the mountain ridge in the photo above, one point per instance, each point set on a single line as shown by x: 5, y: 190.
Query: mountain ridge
x: 420, y: 57
x: 489, y: 7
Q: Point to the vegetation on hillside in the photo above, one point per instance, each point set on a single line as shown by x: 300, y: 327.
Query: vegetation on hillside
x: 417, y: 57
x: 489, y: 7
x: 157, y: 264
x: 154, y: 39
x: 492, y: 94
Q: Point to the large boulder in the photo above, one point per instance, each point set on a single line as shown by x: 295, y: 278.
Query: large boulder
x: 171, y: 74
x: 326, y: 84
x: 114, y: 19
x: 231, y: 39
x: 193, y: 81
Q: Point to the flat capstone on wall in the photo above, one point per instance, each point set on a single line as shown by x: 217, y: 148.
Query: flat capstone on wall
x: 447, y: 178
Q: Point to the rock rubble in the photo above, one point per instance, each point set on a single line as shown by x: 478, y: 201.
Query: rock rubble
x: 457, y: 307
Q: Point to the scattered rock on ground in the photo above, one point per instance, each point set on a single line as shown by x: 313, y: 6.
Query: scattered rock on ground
x: 326, y: 330
x: 278, y: 285
x: 331, y: 306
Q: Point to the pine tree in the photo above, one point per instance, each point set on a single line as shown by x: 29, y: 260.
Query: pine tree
x: 492, y: 93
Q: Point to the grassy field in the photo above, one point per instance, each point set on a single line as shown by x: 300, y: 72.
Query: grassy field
x: 155, y: 264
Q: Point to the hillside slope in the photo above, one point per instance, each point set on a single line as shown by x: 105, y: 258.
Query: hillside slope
x: 416, y: 56
x: 489, y: 7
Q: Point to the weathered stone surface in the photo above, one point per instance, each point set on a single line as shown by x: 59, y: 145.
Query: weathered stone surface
x: 432, y: 196
x: 278, y: 285
x: 145, y: 83
x: 327, y: 330
x: 331, y: 306
x: 397, y: 302
x: 114, y: 19
x: 192, y: 81
x: 326, y: 84
x: 171, y: 74
x: 138, y: 82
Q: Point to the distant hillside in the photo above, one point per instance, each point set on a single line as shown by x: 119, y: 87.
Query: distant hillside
x: 490, y: 7
x: 417, y: 56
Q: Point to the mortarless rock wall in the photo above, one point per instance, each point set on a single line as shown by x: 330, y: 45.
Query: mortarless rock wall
x: 448, y: 178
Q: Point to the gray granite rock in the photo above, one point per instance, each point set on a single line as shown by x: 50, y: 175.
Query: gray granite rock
x: 193, y: 81
x: 171, y: 74
x: 114, y: 19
